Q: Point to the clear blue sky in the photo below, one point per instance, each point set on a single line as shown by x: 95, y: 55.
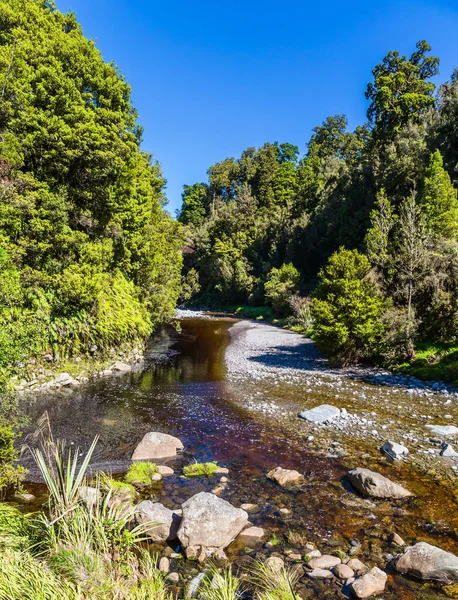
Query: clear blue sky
x: 212, y: 78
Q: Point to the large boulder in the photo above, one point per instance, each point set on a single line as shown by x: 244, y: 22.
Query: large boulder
x: 370, y: 584
x: 375, y: 485
x: 164, y: 522
x: 320, y: 414
x: 444, y: 430
x: 394, y: 450
x: 285, y: 477
x: 425, y: 561
x: 156, y: 445
x: 210, y: 522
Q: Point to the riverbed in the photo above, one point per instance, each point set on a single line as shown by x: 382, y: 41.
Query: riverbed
x: 231, y: 391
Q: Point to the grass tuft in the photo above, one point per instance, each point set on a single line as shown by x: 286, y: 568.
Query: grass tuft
x: 140, y: 474
x: 200, y: 469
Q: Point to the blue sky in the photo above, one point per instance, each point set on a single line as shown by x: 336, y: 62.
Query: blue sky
x: 212, y: 78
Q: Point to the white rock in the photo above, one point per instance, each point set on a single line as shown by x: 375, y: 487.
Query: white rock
x: 444, y: 430
x: 164, y: 522
x: 320, y: 414
x: 394, y: 450
x: 375, y: 485
x: 447, y: 450
x: 373, y: 582
x: 429, y: 562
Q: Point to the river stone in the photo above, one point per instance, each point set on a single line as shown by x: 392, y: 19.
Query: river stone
x: 375, y: 485
x: 320, y: 414
x: 425, y: 561
x: 444, y: 430
x: 120, y: 367
x: 164, y: 522
x: 357, y: 566
x: 447, y: 450
x: 320, y: 574
x: 394, y: 450
x: 285, y: 477
x: 373, y: 582
x: 155, y: 445
x: 343, y: 572
x: 210, y: 522
x: 64, y: 379
x: 252, y: 536
x: 164, y: 471
x: 275, y: 563
x: 324, y: 562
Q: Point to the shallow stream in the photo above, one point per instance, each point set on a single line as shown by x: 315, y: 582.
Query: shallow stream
x: 189, y: 395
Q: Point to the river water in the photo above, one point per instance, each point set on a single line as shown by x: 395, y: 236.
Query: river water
x: 189, y: 395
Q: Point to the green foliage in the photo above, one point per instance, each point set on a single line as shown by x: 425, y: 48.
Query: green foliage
x: 280, y: 285
x: 87, y: 252
x: 438, y: 199
x: 220, y: 586
x: 140, y: 474
x: 274, y: 583
x: 400, y: 92
x: 347, y: 308
x: 200, y: 469
x: 14, y: 528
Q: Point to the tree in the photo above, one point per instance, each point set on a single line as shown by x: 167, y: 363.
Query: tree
x: 438, y: 199
x: 347, y: 309
x: 401, y: 92
x: 195, y: 204
x: 378, y: 236
x: 280, y: 286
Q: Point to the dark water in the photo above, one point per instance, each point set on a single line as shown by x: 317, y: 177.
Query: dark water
x: 188, y: 396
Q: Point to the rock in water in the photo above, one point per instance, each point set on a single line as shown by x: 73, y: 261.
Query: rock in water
x: 210, y: 522
x: 394, y: 450
x: 444, y: 430
x: 375, y: 485
x: 320, y: 414
x: 285, y: 477
x: 373, y: 582
x: 164, y: 522
x: 155, y: 445
x: 447, y: 450
x: 252, y: 536
x: 429, y: 562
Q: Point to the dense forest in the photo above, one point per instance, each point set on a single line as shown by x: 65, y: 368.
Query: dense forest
x: 366, y: 222
x: 88, y: 256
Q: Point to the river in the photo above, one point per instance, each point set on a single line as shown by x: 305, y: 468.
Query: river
x: 245, y: 419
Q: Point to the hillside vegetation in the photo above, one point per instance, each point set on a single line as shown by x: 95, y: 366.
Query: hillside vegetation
x: 366, y: 222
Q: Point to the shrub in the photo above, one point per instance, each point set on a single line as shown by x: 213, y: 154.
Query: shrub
x: 281, y: 284
x: 347, y: 309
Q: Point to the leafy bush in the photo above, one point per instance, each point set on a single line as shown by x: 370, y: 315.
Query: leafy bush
x: 347, y: 308
x: 281, y: 284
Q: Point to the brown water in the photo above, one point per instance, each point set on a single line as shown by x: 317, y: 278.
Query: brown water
x: 189, y: 396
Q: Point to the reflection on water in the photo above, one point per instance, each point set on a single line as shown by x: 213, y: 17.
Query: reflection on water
x: 189, y: 397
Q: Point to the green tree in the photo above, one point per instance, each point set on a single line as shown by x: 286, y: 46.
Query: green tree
x: 401, y: 92
x: 377, y: 239
x: 280, y: 286
x: 438, y: 199
x: 347, y: 309
x: 195, y: 204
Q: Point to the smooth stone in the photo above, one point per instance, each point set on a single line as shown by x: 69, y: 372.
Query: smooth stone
x: 285, y: 477
x: 324, y: 562
x: 164, y: 565
x: 394, y: 450
x: 343, y: 572
x: 249, y: 507
x: 425, y: 561
x: 173, y: 577
x: 164, y: 471
x: 25, y: 498
x: 275, y: 563
x: 64, y: 379
x: 222, y: 471
x: 373, y: 582
x: 313, y: 553
x: 357, y: 566
x: 376, y: 485
x: 210, y: 522
x: 320, y: 414
x: 444, y: 430
x: 164, y: 522
x: 252, y: 536
x: 155, y: 445
x: 320, y: 574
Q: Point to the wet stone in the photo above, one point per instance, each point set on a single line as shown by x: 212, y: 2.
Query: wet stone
x: 320, y: 414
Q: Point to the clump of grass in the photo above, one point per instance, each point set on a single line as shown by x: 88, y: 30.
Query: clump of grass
x: 297, y: 538
x: 273, y: 583
x: 140, y: 474
x: 222, y: 585
x: 200, y: 469
x: 274, y: 540
x: 26, y: 578
x: 14, y: 528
